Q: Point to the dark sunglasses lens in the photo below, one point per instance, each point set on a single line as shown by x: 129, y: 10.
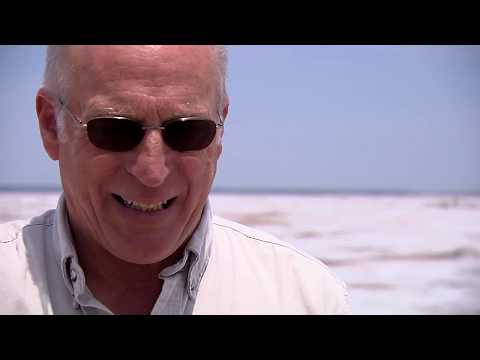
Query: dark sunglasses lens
x: 114, y: 134
x: 189, y: 135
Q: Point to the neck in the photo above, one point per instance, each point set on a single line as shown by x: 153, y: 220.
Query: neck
x: 123, y: 287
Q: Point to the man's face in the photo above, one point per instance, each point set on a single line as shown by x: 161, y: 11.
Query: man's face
x: 149, y: 84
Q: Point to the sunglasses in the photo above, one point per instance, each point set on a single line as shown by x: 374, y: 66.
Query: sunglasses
x: 118, y: 133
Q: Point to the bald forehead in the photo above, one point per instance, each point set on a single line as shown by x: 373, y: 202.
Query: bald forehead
x: 102, y: 62
x: 98, y: 55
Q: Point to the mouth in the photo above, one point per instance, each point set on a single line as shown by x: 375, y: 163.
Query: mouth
x: 143, y: 207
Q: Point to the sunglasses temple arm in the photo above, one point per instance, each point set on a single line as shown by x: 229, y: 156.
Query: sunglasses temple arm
x: 64, y: 106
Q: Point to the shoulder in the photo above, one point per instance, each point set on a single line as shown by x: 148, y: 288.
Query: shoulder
x: 18, y: 239
x: 12, y: 233
x: 286, y: 269
x: 22, y: 249
x: 259, y: 240
x: 11, y: 241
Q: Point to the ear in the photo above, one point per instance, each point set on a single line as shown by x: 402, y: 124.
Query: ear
x: 47, y: 123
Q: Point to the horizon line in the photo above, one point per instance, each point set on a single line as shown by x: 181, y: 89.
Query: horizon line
x: 286, y: 191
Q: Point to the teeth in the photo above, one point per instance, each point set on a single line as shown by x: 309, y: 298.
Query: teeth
x: 143, y: 206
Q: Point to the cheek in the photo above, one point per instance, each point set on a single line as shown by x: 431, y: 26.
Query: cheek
x: 200, y: 170
x: 87, y: 172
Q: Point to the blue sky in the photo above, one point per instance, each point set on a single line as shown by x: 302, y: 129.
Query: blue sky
x: 306, y: 118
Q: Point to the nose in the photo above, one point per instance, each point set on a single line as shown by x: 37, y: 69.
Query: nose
x: 149, y: 160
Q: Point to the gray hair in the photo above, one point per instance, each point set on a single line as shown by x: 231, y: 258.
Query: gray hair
x: 221, y: 53
x: 55, y: 78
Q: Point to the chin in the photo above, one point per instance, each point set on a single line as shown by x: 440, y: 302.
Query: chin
x: 142, y: 251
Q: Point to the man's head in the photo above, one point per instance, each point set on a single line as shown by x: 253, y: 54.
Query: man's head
x: 150, y: 84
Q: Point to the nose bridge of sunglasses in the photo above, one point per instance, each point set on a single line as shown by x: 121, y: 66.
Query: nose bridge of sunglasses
x: 153, y: 127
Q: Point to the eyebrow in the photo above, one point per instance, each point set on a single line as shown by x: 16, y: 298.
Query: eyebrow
x: 117, y: 112
x: 110, y: 108
x: 96, y: 110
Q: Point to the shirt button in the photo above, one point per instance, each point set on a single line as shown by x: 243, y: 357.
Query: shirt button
x: 73, y: 275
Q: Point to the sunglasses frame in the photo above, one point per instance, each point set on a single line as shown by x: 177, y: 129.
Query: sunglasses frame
x: 84, y: 124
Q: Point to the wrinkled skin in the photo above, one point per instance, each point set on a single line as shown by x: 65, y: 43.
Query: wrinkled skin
x: 151, y: 84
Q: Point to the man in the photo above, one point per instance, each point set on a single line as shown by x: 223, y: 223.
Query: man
x: 137, y: 132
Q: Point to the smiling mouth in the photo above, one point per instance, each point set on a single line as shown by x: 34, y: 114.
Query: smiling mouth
x: 143, y: 207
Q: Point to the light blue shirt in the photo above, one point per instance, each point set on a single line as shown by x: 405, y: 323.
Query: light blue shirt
x: 180, y: 279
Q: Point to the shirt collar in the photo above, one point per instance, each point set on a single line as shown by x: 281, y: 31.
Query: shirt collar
x: 64, y: 244
x: 195, y: 256
x: 199, y: 246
